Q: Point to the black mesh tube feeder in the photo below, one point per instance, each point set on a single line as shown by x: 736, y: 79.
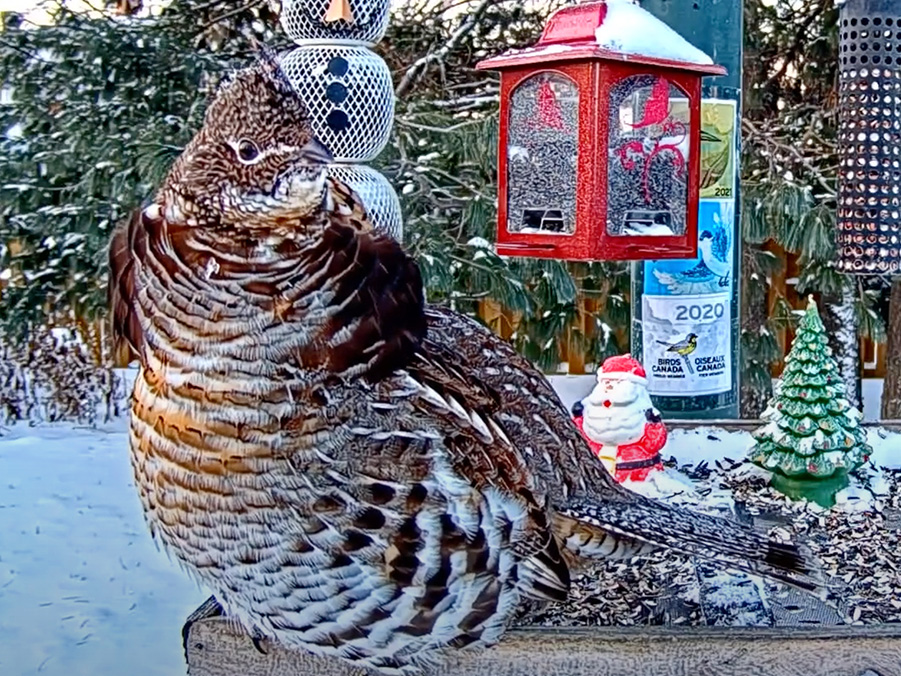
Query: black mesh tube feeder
x: 868, y: 233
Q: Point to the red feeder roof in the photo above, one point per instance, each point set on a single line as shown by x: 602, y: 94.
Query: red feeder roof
x: 612, y: 30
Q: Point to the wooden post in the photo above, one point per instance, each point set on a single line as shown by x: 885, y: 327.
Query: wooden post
x: 498, y: 318
x: 777, y: 290
x: 891, y: 391
x: 575, y: 339
x: 214, y: 647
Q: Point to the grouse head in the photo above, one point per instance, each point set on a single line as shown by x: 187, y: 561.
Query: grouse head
x: 255, y: 161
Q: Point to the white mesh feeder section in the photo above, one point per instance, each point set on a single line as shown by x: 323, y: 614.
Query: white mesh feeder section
x: 350, y: 96
x: 363, y: 21
x: 377, y: 196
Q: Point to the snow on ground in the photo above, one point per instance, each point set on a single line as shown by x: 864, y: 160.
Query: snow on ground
x: 718, y: 447
x: 712, y: 445
x: 571, y: 389
x: 83, y: 589
x: 871, y: 389
x: 706, y: 444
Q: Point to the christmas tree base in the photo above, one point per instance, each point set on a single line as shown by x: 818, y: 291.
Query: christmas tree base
x: 820, y: 491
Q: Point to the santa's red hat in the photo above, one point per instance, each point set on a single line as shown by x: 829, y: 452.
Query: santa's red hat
x: 623, y: 367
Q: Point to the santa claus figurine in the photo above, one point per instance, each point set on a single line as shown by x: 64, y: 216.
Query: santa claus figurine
x: 619, y: 422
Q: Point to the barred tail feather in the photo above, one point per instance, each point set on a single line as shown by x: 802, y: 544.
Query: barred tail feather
x: 708, y: 537
x: 545, y: 576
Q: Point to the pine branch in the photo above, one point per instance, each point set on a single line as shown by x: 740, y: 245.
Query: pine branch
x: 416, y: 70
x: 754, y: 133
x: 800, y: 38
x: 231, y: 13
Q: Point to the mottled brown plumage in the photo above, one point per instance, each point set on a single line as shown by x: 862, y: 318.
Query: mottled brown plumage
x: 352, y: 471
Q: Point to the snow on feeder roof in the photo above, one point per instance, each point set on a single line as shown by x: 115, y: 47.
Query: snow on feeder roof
x: 614, y: 30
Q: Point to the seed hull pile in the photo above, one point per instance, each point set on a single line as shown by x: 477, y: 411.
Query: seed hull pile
x: 858, y: 543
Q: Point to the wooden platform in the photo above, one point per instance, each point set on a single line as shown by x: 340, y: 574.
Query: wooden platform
x: 215, y: 648
x: 798, y: 635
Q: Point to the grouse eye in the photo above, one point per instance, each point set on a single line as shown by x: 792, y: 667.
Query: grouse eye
x: 247, y: 150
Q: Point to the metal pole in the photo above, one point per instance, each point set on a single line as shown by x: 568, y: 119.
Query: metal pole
x: 686, y: 327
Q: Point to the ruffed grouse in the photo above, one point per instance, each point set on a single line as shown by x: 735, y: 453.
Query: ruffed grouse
x: 352, y: 471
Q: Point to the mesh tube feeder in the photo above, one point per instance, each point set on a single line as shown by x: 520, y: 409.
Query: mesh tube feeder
x: 868, y: 228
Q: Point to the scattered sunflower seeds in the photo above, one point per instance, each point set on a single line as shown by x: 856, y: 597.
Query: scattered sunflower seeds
x: 859, y: 550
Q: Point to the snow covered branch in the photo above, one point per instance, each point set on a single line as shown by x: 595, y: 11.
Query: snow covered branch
x: 781, y: 149
x: 418, y: 67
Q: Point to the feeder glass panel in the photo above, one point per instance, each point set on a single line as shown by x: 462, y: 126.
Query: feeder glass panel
x: 647, y: 179
x: 542, y: 155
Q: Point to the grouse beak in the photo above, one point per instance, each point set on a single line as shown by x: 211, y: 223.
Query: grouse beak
x: 315, y: 153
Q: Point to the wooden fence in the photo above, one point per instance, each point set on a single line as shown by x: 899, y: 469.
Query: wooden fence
x: 575, y: 362
x: 573, y: 357
x: 785, y: 284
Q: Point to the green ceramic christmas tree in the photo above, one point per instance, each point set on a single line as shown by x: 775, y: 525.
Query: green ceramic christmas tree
x: 813, y: 436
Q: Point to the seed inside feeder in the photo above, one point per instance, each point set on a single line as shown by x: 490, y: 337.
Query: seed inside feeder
x: 648, y: 146
x: 542, y: 155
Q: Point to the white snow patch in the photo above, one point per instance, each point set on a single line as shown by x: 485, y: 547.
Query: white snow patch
x: 83, y: 589
x: 706, y: 444
x: 531, y: 230
x: 879, y: 485
x: 712, y: 444
x: 479, y: 243
x: 886, y: 448
x: 737, y: 598
x: 667, y: 485
x: 748, y: 471
x: 629, y: 29
x: 571, y: 389
x: 856, y: 498
x: 871, y: 391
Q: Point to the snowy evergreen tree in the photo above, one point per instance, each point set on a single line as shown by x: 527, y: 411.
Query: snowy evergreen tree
x: 96, y: 106
x: 812, y: 430
x: 94, y: 114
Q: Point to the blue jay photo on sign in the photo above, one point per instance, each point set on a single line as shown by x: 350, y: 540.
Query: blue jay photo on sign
x: 711, y: 271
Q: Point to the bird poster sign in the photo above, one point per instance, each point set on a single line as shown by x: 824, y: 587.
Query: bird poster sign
x: 686, y: 306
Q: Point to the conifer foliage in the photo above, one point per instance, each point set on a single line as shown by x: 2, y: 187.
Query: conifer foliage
x: 812, y: 430
x: 102, y: 102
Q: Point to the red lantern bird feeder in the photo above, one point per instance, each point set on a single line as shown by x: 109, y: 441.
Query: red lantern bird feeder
x: 599, y: 145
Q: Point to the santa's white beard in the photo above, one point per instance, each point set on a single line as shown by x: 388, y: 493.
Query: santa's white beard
x: 615, y: 413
